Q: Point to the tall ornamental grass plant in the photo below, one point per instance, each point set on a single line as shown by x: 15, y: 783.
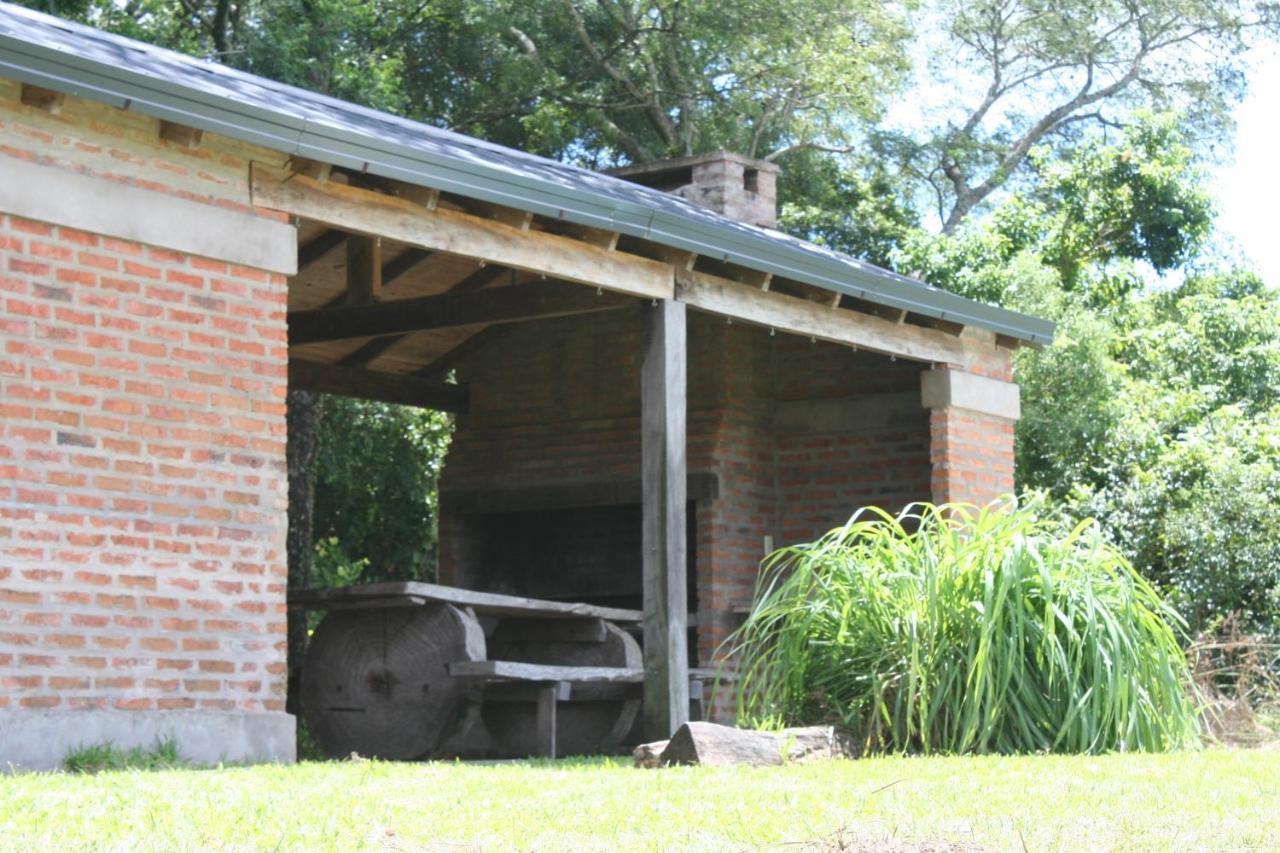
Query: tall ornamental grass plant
x: 953, y: 629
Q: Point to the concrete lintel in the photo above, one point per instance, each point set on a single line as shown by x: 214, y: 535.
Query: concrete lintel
x: 957, y: 389
x: 100, y: 206
x: 41, y: 739
x: 850, y: 414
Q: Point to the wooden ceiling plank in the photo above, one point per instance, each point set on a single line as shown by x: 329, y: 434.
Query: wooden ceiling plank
x: 370, y: 385
x: 455, y: 356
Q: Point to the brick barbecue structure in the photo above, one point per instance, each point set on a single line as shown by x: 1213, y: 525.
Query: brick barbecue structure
x: 653, y: 388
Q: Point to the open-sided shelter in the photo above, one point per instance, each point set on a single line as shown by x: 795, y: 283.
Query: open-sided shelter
x: 652, y: 386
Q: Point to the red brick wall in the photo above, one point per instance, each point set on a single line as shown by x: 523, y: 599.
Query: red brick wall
x: 142, y: 476
x: 558, y: 403
x: 972, y: 452
x: 972, y: 456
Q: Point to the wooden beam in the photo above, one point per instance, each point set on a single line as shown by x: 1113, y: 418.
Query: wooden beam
x: 180, y: 134
x: 405, y: 261
x: 679, y: 259
x: 548, y: 694
x: 42, y: 99
x: 313, y: 169
x: 317, y: 247
x: 945, y: 326
x: 601, y: 237
x: 448, y: 310
x: 516, y: 218
x: 803, y: 317
x: 383, y: 387
x: 1009, y: 342
x: 663, y: 476
x: 459, y: 233
x: 364, y: 269
x: 410, y: 593
x: 508, y: 670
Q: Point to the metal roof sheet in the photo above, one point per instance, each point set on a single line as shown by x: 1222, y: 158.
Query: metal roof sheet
x: 81, y: 61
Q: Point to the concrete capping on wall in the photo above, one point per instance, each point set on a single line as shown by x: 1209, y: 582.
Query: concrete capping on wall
x: 61, y: 197
x: 42, y: 739
x: 849, y: 414
x: 958, y: 389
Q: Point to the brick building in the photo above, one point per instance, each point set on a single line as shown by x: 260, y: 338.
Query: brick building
x: 179, y: 243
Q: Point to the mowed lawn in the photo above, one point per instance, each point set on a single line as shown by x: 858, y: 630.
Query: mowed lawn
x: 1218, y: 799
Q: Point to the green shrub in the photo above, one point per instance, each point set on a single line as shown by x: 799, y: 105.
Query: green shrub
x: 953, y: 629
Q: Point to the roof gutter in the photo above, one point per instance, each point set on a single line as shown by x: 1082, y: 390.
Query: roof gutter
x: 130, y: 90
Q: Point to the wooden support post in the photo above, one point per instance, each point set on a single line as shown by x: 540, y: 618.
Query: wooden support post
x: 663, y: 495
x: 547, y: 696
x: 364, y: 269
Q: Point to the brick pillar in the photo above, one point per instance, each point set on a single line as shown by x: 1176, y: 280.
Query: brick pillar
x: 971, y: 421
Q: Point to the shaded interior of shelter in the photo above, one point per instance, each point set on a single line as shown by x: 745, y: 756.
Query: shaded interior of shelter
x: 540, y: 492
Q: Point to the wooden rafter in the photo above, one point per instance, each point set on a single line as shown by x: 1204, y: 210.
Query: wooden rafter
x: 460, y: 233
x: 368, y: 352
x: 449, y: 310
x: 317, y: 247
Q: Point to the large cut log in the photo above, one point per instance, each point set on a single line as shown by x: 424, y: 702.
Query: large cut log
x: 376, y: 682
x: 719, y: 746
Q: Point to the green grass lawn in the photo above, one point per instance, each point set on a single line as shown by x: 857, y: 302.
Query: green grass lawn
x: 1218, y: 799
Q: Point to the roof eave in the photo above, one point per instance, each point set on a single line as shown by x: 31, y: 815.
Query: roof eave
x: 123, y: 88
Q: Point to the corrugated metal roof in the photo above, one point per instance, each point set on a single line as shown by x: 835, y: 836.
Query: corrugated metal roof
x: 81, y: 61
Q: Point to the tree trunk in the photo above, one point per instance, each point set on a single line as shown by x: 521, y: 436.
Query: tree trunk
x: 303, y: 422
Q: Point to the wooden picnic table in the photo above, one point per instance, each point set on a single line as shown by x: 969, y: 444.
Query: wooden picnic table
x: 412, y: 670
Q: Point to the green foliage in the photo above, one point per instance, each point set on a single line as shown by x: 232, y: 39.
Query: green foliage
x: 1091, y: 214
x: 953, y: 629
x: 375, y: 510
x: 1160, y: 416
x: 96, y: 758
x: 1141, y: 198
x: 851, y: 207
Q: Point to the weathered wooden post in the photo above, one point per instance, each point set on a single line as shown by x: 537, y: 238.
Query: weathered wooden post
x: 663, y: 476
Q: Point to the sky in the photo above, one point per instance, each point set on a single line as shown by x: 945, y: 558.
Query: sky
x: 1247, y: 186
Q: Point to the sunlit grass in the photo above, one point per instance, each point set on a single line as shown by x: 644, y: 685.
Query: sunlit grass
x: 1216, y: 799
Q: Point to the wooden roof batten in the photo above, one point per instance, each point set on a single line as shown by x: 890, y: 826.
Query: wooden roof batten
x: 501, y: 239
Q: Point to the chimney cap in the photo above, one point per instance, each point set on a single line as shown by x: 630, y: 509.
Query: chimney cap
x: 654, y: 167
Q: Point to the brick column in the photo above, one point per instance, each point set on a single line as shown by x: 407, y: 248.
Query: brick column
x: 971, y: 422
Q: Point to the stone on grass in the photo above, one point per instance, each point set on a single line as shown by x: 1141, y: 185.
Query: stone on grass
x: 714, y: 745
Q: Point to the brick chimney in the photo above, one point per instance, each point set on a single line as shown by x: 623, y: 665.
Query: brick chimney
x: 730, y: 184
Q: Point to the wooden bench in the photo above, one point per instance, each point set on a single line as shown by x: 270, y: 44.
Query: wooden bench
x: 548, y: 685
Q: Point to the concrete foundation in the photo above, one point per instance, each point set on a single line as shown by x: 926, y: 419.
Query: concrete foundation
x: 41, y: 740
